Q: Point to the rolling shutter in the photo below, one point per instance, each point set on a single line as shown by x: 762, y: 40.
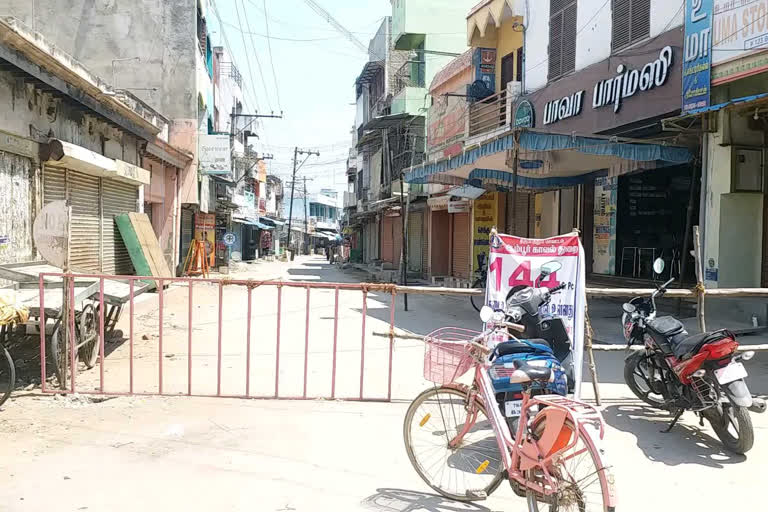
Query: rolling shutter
x: 84, y: 242
x: 117, y: 198
x: 415, y: 237
x: 461, y: 246
x: 518, y: 218
x: 387, y: 244
x: 54, y: 185
x: 187, y: 232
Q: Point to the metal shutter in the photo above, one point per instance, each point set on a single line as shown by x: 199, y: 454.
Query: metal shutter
x: 397, y: 241
x: 415, y: 237
x: 17, y: 206
x: 387, y: 244
x: 461, y: 246
x: 117, y: 198
x: 518, y: 218
x: 187, y: 232
x: 54, y: 185
x: 84, y: 244
x: 425, y: 243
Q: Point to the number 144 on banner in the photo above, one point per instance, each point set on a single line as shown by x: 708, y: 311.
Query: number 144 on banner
x: 515, y: 263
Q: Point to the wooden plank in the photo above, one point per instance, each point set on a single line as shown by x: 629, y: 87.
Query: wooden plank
x: 135, y: 251
x: 148, y: 239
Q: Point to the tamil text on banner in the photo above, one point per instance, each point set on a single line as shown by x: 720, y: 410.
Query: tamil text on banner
x: 697, y: 54
x: 516, y: 261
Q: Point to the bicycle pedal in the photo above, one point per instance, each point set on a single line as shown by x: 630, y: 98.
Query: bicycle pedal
x: 476, y: 495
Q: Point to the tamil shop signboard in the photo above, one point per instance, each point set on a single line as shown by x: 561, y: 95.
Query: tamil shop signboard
x: 638, y: 84
x: 739, y: 33
x: 215, y: 154
x: 697, y: 57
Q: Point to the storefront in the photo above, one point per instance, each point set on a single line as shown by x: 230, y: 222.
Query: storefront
x: 99, y: 189
x: 459, y: 213
x: 417, y: 239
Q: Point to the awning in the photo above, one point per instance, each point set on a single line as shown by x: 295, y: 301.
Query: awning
x: 251, y: 222
x: 369, y: 72
x: 272, y: 222
x: 391, y: 121
x: 743, y: 101
x: 71, y: 156
x: 546, y: 156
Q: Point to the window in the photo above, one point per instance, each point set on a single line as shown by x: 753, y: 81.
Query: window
x: 562, y: 37
x: 631, y: 22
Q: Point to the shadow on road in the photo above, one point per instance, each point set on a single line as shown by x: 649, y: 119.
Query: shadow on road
x: 401, y: 500
x: 684, y: 444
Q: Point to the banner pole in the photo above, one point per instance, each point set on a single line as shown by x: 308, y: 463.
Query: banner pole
x: 591, y: 355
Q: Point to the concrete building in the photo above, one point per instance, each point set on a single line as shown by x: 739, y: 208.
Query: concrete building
x: 159, y: 52
x: 66, y: 135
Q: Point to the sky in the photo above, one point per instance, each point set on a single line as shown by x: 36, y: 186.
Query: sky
x: 315, y: 67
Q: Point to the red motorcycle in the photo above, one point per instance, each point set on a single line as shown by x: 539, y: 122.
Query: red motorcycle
x: 702, y: 373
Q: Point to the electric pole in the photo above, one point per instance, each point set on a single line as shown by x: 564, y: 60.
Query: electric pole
x: 306, y: 219
x: 296, y: 153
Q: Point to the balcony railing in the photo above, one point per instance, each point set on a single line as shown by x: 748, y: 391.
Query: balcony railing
x: 410, y: 74
x: 488, y: 114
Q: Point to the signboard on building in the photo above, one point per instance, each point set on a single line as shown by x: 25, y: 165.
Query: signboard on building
x: 697, y: 55
x: 461, y: 206
x: 617, y: 91
x: 604, y: 235
x: 215, y: 154
x: 516, y: 261
x: 485, y: 218
x: 524, y: 115
x: 739, y: 33
x: 51, y: 233
x: 484, y: 62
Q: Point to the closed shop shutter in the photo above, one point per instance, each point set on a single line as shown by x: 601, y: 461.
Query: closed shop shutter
x: 117, y: 198
x: 425, y: 243
x: 415, y: 236
x: 397, y: 241
x: 16, y: 204
x: 518, y: 217
x: 84, y: 242
x: 461, y: 245
x: 187, y: 231
x: 54, y: 185
x: 387, y: 239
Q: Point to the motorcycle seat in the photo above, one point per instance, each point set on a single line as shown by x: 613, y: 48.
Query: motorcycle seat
x: 521, y: 347
x: 687, y: 347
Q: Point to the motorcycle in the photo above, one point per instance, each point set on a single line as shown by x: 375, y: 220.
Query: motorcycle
x: 702, y: 373
x: 545, y: 341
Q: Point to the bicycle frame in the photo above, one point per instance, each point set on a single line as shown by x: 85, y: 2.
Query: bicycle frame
x: 521, y: 453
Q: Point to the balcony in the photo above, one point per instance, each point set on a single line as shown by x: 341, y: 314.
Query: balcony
x: 493, y: 115
x: 350, y: 200
x: 409, y: 88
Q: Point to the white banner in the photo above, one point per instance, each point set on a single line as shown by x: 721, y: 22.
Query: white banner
x: 517, y: 261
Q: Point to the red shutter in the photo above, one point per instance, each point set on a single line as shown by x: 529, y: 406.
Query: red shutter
x: 387, y: 249
x: 461, y: 245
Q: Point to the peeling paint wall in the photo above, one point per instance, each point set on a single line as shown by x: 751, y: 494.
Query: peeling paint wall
x: 16, y: 208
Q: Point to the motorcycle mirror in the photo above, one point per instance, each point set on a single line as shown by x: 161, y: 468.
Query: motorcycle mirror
x: 628, y: 308
x: 550, y: 267
x: 658, y: 266
x: 486, y: 313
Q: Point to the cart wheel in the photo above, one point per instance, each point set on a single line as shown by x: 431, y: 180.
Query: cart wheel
x: 88, y: 336
x: 60, y: 353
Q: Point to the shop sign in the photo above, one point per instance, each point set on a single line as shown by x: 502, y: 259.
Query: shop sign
x: 739, y: 27
x: 516, y: 261
x: 205, y: 230
x: 484, y: 61
x: 215, y: 154
x: 524, y: 116
x: 229, y: 239
x: 563, y: 108
x: 462, y: 206
x: 485, y: 218
x: 697, y: 58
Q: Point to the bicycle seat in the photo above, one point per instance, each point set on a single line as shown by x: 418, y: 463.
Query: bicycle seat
x: 542, y: 373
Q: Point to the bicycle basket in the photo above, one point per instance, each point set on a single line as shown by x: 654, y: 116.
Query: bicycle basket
x: 447, y: 354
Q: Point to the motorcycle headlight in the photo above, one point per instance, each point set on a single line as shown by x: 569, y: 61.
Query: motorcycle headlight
x: 515, y: 313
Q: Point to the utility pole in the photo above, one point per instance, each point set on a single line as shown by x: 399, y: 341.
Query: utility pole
x: 306, y: 219
x: 296, y: 167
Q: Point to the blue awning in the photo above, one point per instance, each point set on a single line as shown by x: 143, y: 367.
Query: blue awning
x: 720, y: 106
x: 547, y: 159
x: 252, y: 222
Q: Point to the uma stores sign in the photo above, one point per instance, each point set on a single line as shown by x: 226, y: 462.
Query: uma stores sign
x: 613, y: 91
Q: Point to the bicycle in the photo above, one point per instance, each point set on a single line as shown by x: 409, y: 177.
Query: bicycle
x: 10, y: 316
x: 468, y: 448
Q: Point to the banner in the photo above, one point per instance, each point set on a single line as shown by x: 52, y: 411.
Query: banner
x: 485, y: 218
x: 205, y: 230
x: 697, y: 54
x: 517, y: 261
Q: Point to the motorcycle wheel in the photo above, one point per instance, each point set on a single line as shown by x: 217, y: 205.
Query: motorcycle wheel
x: 733, y: 426
x: 478, y: 301
x: 637, y: 378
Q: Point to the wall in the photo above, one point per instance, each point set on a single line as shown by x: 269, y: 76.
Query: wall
x: 161, y: 34
x: 593, y: 42
x: 741, y: 245
x: 410, y: 100
x: 228, y: 94
x: 18, y: 188
x: 509, y: 40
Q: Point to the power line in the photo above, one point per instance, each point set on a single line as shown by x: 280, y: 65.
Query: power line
x: 255, y: 52
x: 248, y: 62
x: 271, y: 60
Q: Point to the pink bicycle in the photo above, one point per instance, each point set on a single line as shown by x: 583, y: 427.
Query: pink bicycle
x: 460, y: 444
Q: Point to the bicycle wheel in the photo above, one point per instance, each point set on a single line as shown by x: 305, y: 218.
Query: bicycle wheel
x: 7, y: 375
x: 478, y: 301
x: 471, y: 471
x: 582, y: 477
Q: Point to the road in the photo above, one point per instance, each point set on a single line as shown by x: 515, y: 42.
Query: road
x: 192, y: 453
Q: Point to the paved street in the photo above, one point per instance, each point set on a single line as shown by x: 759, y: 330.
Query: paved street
x: 232, y: 454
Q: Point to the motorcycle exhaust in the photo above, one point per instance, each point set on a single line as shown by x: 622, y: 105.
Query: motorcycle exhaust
x: 758, y: 405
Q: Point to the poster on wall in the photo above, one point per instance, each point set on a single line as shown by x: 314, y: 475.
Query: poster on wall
x: 485, y: 218
x: 697, y: 54
x: 604, y: 235
x: 205, y: 230
x: 517, y: 261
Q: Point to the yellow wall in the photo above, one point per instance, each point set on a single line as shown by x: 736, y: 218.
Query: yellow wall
x: 508, y: 41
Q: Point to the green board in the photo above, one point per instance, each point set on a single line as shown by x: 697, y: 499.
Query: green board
x: 131, y: 241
